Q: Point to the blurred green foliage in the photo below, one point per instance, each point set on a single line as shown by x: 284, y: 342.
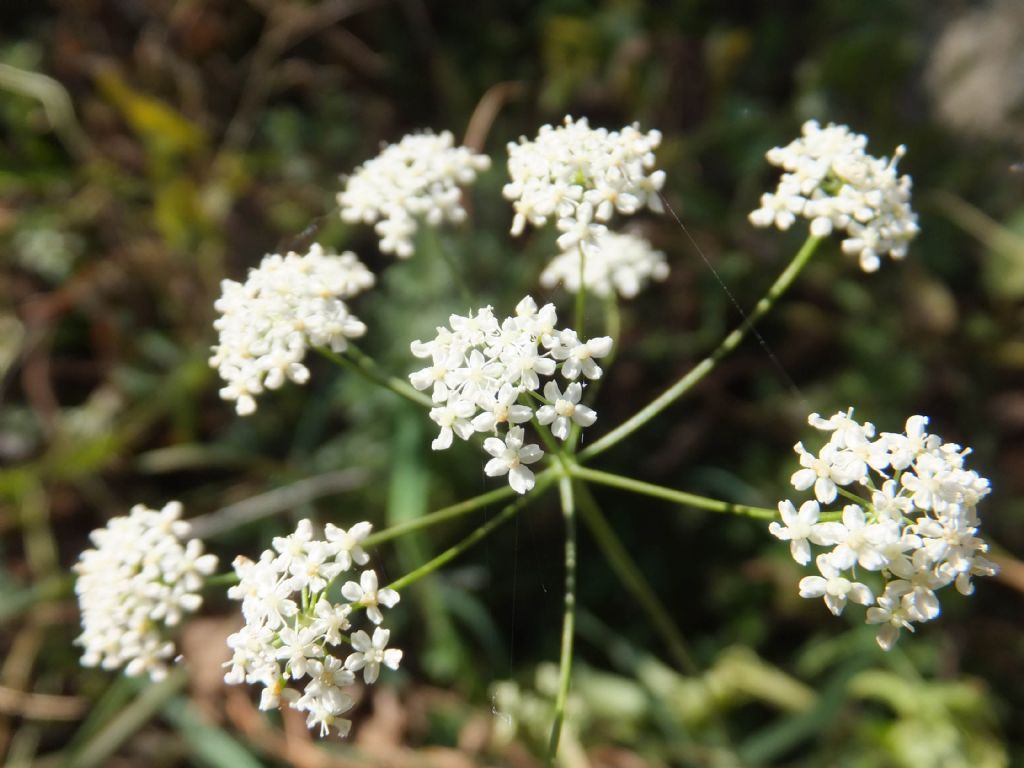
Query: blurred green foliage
x: 199, y: 138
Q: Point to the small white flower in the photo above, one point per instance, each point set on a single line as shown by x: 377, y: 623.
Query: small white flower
x: 454, y: 419
x: 834, y: 587
x: 861, y: 543
x: 370, y: 654
x: 349, y: 543
x: 511, y: 457
x: 564, y: 409
x: 801, y: 528
x: 367, y: 594
x: 579, y: 359
x: 889, y: 612
x: 501, y: 408
x: 297, y: 648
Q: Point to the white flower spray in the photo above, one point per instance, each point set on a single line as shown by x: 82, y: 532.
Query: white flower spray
x: 580, y: 177
x: 293, y: 628
x: 831, y: 181
x: 620, y: 264
x: 913, y: 520
x: 486, y: 376
x: 140, y: 578
x: 286, y: 305
x: 416, y: 180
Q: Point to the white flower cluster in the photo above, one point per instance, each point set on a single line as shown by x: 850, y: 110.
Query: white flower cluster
x: 580, y: 176
x: 912, y: 520
x: 287, y: 304
x: 485, y: 376
x: 620, y: 263
x: 830, y: 180
x: 292, y: 626
x: 141, y: 578
x: 417, y: 178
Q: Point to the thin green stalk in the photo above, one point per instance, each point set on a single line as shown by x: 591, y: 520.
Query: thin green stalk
x: 634, y: 581
x: 670, y: 494
x: 703, y: 368
x: 480, y: 533
x: 364, y: 365
x: 581, y: 294
x: 565, y: 492
x: 853, y: 497
x: 613, y: 328
x: 449, y: 512
x: 220, y: 580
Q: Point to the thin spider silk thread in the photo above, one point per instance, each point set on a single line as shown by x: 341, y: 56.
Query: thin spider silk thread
x: 794, y: 389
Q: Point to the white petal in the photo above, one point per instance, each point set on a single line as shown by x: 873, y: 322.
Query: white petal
x: 521, y: 479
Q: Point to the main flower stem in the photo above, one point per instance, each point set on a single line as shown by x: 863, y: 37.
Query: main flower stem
x: 581, y: 294
x: 364, y: 365
x: 543, y: 481
x: 703, y: 368
x: 670, y: 494
x: 613, y: 328
x: 565, y: 491
x: 447, y: 513
x: 633, y: 579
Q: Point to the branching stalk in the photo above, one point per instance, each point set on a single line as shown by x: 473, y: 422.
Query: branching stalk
x: 480, y: 533
x: 567, y: 498
x: 364, y: 365
x: 450, y: 512
x: 670, y: 494
x: 634, y: 581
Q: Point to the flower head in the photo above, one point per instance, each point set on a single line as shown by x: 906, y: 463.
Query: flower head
x: 830, y: 180
x: 140, y: 577
x: 617, y: 263
x: 914, y: 523
x: 289, y: 643
x: 486, y: 376
x: 416, y: 180
x: 580, y: 177
x: 287, y: 304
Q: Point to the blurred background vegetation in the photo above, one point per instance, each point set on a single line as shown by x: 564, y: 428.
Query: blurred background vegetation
x: 149, y: 149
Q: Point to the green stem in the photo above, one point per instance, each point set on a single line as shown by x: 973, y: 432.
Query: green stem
x: 861, y: 502
x: 543, y: 481
x: 613, y: 328
x: 703, y: 368
x: 581, y: 294
x: 565, y: 491
x: 448, y: 513
x: 670, y: 494
x: 364, y: 365
x: 220, y: 580
x: 636, y: 584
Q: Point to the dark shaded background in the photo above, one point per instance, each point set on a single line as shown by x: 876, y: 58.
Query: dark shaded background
x: 180, y: 141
